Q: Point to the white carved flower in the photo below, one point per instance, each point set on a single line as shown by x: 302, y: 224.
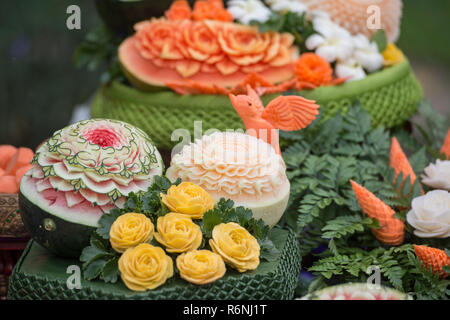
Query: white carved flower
x: 437, y: 175
x: 331, y: 41
x: 349, y: 68
x: 367, y: 54
x: 430, y: 215
x: 246, y: 11
x: 287, y: 5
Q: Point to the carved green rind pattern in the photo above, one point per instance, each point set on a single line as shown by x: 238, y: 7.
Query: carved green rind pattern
x: 54, y: 145
x: 391, y: 96
x: 39, y: 276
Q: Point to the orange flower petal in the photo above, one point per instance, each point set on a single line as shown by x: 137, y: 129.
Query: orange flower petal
x: 312, y: 68
x: 179, y: 10
x: 446, y: 145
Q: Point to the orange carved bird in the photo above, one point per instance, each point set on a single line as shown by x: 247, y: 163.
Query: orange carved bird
x: 288, y: 113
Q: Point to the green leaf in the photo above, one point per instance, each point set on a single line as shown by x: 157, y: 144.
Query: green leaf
x: 268, y: 250
x: 380, y: 39
x: 91, y: 253
x: 419, y: 160
x: 106, y: 222
x: 94, y: 269
x: 110, y: 271
x: 210, y: 220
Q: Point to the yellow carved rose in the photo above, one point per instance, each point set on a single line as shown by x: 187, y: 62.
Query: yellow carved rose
x: 178, y: 233
x: 201, y: 266
x: 236, y: 246
x: 129, y: 230
x: 392, y: 55
x: 145, y: 267
x: 189, y: 199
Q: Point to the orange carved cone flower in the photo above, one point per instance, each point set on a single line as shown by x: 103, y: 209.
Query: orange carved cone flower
x: 434, y: 258
x: 392, y: 230
x: 311, y: 68
x: 446, y: 146
x: 179, y: 10
x: 399, y: 162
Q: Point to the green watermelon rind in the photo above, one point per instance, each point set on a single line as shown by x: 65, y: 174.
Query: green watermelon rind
x: 66, y: 239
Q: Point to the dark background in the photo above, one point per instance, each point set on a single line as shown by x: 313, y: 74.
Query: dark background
x: 40, y: 87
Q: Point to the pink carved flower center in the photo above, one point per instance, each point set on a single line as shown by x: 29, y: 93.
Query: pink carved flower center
x: 102, y: 137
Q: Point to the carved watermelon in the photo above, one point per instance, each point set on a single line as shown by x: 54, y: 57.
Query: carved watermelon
x: 80, y: 173
x: 357, y: 291
x: 165, y: 52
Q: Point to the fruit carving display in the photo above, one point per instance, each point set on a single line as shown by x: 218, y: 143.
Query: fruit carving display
x: 80, y: 173
x: 205, y: 49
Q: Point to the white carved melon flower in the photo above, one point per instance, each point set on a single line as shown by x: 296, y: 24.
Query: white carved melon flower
x: 367, y: 54
x: 246, y: 11
x: 331, y: 42
x: 437, y: 175
x: 349, y: 69
x: 430, y: 215
x: 283, y: 6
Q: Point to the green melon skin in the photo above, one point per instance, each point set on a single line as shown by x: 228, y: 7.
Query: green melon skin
x: 63, y: 238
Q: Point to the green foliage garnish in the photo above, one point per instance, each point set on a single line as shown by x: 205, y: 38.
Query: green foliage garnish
x: 149, y: 203
x: 99, y: 49
x: 380, y: 39
x: 399, y: 266
x: 224, y: 212
x: 323, y: 209
x: 297, y: 25
x: 99, y: 259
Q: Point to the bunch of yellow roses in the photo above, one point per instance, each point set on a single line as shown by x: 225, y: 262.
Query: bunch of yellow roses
x: 144, y: 266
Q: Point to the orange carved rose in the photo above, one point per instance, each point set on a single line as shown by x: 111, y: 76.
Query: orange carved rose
x: 158, y: 39
x: 224, y: 48
x: 179, y: 10
x: 211, y: 10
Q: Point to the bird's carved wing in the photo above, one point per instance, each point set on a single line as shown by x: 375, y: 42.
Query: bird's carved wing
x: 290, y: 113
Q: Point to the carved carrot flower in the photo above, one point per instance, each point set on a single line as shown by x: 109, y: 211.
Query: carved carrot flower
x: 313, y: 69
x: 211, y: 10
x: 399, y: 162
x: 179, y: 10
x: 446, y: 146
x: 434, y: 258
x: 392, y: 230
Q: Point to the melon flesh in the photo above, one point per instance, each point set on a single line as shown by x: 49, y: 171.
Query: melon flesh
x: 144, y: 75
x: 6, y: 153
x: 21, y: 158
x: 55, y: 203
x: 8, y: 184
x: 357, y: 291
